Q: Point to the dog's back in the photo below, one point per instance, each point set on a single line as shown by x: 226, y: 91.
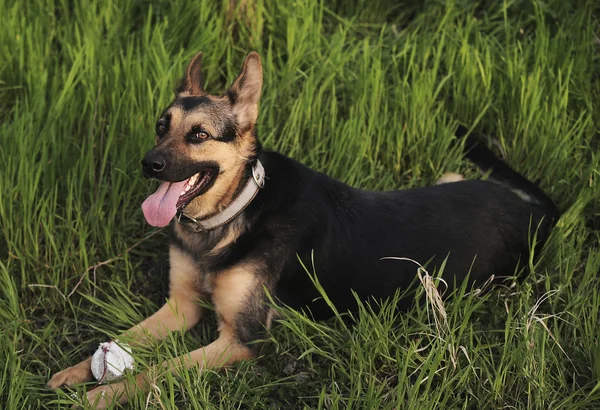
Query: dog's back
x: 475, y: 228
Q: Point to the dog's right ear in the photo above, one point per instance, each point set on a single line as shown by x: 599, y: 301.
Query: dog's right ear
x: 192, y: 83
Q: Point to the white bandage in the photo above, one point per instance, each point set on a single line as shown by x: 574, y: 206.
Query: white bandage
x: 111, y: 360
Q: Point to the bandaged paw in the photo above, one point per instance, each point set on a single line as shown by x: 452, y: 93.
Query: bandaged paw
x: 111, y: 360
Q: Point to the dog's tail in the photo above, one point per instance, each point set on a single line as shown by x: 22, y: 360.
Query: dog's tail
x: 500, y: 172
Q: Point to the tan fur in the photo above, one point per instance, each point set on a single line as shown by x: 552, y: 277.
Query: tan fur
x: 224, y: 351
x: 199, y: 117
x: 227, y: 239
x: 80, y: 373
x: 193, y: 81
x: 207, y: 117
x: 231, y: 289
x: 450, y: 177
x: 247, y: 114
x: 236, y: 181
x: 246, y: 145
x: 176, y: 115
x: 231, y: 158
x: 178, y: 125
x: 181, y: 312
x: 244, y: 149
x: 216, y: 198
x: 214, y: 98
x: 248, y: 87
x: 184, y: 276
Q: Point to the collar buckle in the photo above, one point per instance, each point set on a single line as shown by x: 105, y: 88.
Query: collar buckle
x: 258, y: 173
x: 197, y: 225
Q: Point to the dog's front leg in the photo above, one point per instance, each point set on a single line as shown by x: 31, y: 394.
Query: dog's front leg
x: 181, y: 312
x: 224, y: 351
x: 238, y: 297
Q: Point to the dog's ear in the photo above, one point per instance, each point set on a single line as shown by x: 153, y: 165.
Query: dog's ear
x: 244, y: 93
x: 193, y: 83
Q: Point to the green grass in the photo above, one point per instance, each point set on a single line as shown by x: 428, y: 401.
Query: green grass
x: 368, y: 92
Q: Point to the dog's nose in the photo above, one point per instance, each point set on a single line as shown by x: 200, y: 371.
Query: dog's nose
x: 153, y: 163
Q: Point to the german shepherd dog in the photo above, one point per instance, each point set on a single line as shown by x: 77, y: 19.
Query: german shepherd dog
x: 241, y: 217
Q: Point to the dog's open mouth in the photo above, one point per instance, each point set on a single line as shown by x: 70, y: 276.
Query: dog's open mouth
x: 194, y: 186
x: 160, y: 207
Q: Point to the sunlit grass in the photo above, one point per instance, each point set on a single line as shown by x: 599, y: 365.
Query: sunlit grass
x: 368, y: 92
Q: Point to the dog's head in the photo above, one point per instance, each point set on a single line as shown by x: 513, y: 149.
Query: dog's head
x: 204, y: 144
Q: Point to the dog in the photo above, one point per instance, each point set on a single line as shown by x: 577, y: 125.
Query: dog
x: 241, y: 216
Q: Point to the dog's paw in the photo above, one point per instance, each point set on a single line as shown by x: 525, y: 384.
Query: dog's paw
x: 102, y: 397
x: 79, y: 373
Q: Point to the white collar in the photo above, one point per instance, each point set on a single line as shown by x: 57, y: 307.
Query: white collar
x: 253, y: 185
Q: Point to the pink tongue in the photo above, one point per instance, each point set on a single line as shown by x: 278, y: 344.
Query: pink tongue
x: 160, y: 207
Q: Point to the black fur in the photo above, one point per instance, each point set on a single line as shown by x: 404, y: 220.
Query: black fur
x: 481, y: 227
x: 232, y: 96
x: 486, y: 160
x: 229, y: 132
x: 192, y: 102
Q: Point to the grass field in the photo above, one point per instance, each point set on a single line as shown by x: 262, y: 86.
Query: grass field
x: 369, y: 92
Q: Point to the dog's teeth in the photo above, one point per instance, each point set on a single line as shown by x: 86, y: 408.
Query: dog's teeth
x: 182, y: 192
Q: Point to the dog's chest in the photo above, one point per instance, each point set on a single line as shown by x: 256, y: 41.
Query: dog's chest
x: 208, y: 251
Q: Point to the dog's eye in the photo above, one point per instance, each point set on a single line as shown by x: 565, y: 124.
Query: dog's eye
x: 199, y: 133
x: 161, y: 128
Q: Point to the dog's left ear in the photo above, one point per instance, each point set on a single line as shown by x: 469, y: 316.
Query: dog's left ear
x: 244, y: 93
x: 193, y: 83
